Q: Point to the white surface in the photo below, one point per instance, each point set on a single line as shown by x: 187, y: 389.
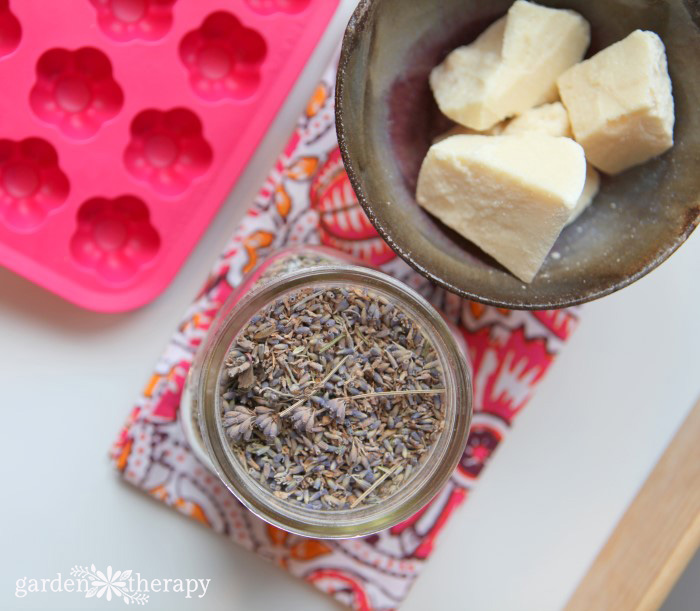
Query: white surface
x: 545, y: 505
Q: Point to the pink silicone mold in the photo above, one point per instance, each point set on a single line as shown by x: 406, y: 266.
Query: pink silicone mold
x: 124, y: 20
x: 223, y: 57
x: 32, y: 184
x: 10, y: 29
x: 167, y: 150
x: 75, y: 91
x: 114, y: 237
x: 123, y: 126
x: 267, y: 7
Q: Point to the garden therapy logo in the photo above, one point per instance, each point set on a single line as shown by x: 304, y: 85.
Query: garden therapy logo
x: 110, y: 585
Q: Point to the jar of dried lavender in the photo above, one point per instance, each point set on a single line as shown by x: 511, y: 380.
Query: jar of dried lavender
x: 331, y: 399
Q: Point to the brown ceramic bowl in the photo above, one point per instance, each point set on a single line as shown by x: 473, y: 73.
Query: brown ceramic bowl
x: 387, y: 118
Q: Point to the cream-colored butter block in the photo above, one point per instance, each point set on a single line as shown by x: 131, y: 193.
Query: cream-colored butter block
x: 460, y: 130
x: 590, y: 190
x: 512, y: 66
x: 550, y: 119
x: 461, y: 83
x: 553, y: 120
x: 620, y: 102
x: 510, y: 195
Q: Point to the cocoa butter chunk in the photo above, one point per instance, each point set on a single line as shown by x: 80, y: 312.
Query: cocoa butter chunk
x: 620, y: 103
x: 510, y: 195
x: 552, y: 119
x: 512, y: 66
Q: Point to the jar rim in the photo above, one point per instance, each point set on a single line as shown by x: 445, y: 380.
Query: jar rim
x: 434, y: 470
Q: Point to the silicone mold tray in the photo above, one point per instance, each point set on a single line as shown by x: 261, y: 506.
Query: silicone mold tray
x: 124, y: 124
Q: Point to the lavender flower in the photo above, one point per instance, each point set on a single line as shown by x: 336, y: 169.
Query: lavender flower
x: 239, y: 423
x: 303, y: 418
x: 267, y: 421
x: 337, y: 409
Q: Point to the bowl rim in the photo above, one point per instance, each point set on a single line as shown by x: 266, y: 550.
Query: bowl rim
x: 351, y: 37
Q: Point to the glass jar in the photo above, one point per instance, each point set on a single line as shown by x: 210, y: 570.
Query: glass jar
x: 315, y: 267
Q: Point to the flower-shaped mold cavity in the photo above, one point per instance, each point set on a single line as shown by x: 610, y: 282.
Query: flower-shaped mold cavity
x: 75, y: 91
x: 10, y: 29
x: 167, y: 149
x: 124, y: 20
x: 114, y: 238
x: 223, y: 58
x: 267, y: 7
x: 31, y: 183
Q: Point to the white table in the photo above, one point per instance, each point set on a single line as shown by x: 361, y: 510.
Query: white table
x: 541, y: 512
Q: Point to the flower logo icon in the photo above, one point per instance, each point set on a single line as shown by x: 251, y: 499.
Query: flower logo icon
x: 109, y: 584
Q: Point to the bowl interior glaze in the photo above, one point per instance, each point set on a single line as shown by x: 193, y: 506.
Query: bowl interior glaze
x: 387, y: 119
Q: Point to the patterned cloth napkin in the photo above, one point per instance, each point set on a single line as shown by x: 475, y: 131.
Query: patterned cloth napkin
x: 307, y: 199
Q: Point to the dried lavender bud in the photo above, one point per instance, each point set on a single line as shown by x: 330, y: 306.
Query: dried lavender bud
x: 247, y: 378
x: 245, y: 345
x: 267, y: 421
x: 303, y: 418
x: 337, y: 397
x: 239, y: 423
x: 337, y: 409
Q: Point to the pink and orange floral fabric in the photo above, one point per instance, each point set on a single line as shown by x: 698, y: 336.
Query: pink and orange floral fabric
x: 307, y: 199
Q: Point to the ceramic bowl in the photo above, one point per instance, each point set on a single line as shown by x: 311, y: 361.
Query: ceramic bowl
x: 387, y: 119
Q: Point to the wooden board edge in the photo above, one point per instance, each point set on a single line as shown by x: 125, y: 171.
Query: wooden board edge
x: 657, y: 536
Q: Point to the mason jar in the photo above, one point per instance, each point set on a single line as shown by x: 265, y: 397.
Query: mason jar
x: 312, y: 267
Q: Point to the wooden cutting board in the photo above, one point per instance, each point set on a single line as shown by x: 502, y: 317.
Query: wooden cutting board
x: 655, y: 539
